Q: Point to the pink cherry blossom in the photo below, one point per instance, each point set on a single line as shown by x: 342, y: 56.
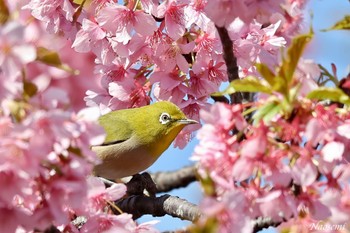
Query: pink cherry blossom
x: 98, y: 195
x: 232, y: 212
x: 200, y: 87
x: 292, y: 18
x: 43, y: 143
x: 170, y: 54
x: 150, y: 6
x: 256, y: 44
x: 121, y: 21
x: 208, y: 44
x: 215, y: 72
x: 173, y: 13
x: 88, y: 36
x: 307, y: 73
x: 130, y: 93
x: 102, y: 222
x: 223, y: 12
x: 278, y: 204
x: 123, y: 223
x: 194, y: 13
x: 304, y: 171
x: 216, y: 146
x: 169, y: 86
x: 15, y: 52
x: 333, y: 151
x: 57, y: 15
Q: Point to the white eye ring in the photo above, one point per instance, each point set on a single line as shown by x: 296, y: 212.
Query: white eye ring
x: 164, y: 118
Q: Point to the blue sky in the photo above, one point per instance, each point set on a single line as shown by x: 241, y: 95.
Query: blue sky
x: 326, y: 48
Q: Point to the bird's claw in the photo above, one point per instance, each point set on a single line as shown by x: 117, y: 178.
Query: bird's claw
x: 141, y: 183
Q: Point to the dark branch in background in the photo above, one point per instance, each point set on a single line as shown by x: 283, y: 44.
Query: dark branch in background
x: 167, y: 181
x: 231, y: 62
x: 159, y: 206
x: 232, y: 67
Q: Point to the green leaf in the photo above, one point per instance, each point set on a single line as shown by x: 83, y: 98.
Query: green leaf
x: 208, y: 185
x: 343, y: 24
x: 266, y: 73
x: 277, y: 83
x: 17, y: 110
x: 294, y: 53
x: 51, y: 58
x: 250, y: 84
x: 228, y: 91
x: 29, y: 89
x: 267, y: 112
x: 330, y: 93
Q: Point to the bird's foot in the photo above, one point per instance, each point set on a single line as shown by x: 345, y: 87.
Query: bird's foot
x: 140, y: 183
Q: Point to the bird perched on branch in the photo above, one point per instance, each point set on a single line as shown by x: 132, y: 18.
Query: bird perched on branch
x: 137, y: 137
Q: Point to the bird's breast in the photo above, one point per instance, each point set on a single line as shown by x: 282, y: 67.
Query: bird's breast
x: 122, y: 159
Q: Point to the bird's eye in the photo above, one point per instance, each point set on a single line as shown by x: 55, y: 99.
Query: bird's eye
x: 164, y: 118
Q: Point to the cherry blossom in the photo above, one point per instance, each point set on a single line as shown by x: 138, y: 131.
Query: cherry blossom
x: 14, y: 52
x: 88, y: 36
x: 195, y: 14
x: 120, y: 21
x: 57, y: 15
x: 174, y: 16
x: 98, y: 195
x: 170, y: 54
x: 255, y: 44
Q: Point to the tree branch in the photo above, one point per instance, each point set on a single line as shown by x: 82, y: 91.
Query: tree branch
x: 159, y: 206
x: 167, y: 181
x: 231, y: 62
x: 261, y: 223
x: 232, y: 67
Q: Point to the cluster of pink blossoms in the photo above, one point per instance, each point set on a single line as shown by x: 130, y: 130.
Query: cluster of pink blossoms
x: 292, y: 170
x: 127, y: 55
x: 45, y: 146
x: 168, y: 50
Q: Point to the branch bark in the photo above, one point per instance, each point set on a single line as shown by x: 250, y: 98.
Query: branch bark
x: 159, y: 206
x: 231, y: 62
x: 167, y: 181
x: 262, y: 223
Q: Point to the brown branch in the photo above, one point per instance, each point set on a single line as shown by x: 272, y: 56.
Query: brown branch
x: 159, y: 206
x: 232, y: 67
x: 167, y: 181
x: 231, y: 62
x: 164, y: 181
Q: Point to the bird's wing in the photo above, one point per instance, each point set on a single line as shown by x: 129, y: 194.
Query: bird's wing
x: 117, y: 129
